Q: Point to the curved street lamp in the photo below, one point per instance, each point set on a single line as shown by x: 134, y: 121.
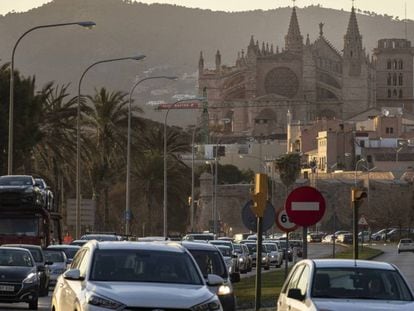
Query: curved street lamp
x: 356, y: 167
x: 87, y: 24
x: 128, y: 179
x: 165, y: 212
x: 78, y: 142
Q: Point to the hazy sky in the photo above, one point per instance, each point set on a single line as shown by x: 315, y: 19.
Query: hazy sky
x: 390, y: 7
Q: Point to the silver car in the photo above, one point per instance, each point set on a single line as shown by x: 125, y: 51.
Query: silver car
x: 58, y: 264
x: 134, y: 276
x: 345, y: 284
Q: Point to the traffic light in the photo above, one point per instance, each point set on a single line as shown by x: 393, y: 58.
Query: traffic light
x: 358, y: 194
x: 260, y: 194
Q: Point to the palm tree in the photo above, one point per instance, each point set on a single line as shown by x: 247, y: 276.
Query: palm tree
x: 148, y: 175
x: 105, y: 124
x: 54, y: 153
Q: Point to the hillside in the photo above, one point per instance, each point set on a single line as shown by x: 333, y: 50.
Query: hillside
x: 171, y: 37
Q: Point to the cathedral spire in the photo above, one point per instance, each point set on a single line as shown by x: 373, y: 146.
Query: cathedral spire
x: 352, y: 38
x: 354, y: 54
x: 293, y: 39
x: 218, y: 61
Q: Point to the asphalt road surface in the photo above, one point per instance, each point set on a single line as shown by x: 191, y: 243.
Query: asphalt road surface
x: 404, y: 261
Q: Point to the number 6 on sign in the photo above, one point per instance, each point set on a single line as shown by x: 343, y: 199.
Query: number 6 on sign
x: 283, y: 222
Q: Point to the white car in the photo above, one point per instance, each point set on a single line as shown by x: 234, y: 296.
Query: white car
x: 345, y: 284
x: 405, y: 245
x: 275, y: 254
x: 134, y: 276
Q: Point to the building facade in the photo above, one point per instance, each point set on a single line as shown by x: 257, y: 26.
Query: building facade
x: 306, y: 80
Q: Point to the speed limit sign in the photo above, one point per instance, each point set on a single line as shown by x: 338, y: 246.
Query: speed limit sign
x: 283, y: 222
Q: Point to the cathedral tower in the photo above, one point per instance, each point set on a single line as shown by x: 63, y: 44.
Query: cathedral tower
x: 358, y: 72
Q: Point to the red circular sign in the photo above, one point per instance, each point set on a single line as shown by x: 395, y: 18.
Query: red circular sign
x: 283, y: 222
x: 305, y: 206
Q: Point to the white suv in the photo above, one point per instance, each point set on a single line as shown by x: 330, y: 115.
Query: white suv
x: 134, y: 275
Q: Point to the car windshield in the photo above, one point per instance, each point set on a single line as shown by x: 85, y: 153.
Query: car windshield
x: 69, y: 252
x: 15, y: 258
x: 54, y: 256
x: 37, y: 254
x: 15, y: 181
x: 271, y: 247
x: 251, y: 247
x: 210, y: 262
x: 225, y: 250
x: 359, y: 283
x: 238, y: 248
x: 144, y: 266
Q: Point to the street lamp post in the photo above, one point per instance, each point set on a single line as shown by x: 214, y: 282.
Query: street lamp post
x: 11, y: 103
x: 128, y: 178
x: 165, y: 211
x: 78, y: 142
x: 192, y: 180
x: 356, y: 167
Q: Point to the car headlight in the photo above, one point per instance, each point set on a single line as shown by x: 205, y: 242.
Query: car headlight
x: 241, y: 259
x: 104, y: 302
x: 224, y: 290
x: 210, y: 305
x: 264, y: 258
x: 31, y: 278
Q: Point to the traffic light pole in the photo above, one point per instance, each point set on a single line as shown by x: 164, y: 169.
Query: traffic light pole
x: 259, y: 262
x: 356, y: 197
x: 355, y: 208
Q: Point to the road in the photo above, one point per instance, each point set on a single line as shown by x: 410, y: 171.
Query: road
x: 404, y: 261
x: 44, y: 305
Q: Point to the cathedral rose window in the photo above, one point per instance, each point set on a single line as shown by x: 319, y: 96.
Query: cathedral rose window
x: 281, y: 81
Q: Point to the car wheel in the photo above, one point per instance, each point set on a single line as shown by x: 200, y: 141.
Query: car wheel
x: 33, y: 304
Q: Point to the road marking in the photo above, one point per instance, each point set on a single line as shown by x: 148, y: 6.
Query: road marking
x: 305, y: 206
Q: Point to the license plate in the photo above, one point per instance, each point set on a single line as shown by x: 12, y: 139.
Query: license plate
x: 6, y: 288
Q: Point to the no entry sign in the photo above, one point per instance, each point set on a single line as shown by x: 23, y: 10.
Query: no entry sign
x: 305, y: 206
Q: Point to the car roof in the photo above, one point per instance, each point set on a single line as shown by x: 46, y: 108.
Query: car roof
x: 127, y: 245
x: 63, y: 246
x: 14, y: 248
x: 351, y: 263
x: 24, y: 246
x: 198, y: 246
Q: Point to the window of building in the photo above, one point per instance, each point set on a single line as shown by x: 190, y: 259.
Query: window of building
x: 389, y: 79
x: 400, y: 64
x: 400, y: 79
x: 389, y: 93
x: 400, y: 93
x: 362, y: 143
x: 395, y: 64
x: 389, y: 64
x: 394, y: 79
x: 389, y: 130
x: 369, y: 158
x: 394, y: 93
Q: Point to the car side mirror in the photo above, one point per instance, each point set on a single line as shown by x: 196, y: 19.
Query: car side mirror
x: 214, y: 280
x: 235, y: 277
x: 72, y: 274
x: 49, y: 263
x: 296, y: 294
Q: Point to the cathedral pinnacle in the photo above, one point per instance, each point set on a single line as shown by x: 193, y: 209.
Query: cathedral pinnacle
x: 321, y: 28
x: 352, y: 38
x: 293, y: 39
